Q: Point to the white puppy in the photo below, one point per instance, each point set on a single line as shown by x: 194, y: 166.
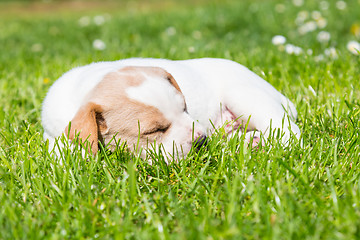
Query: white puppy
x: 142, y: 101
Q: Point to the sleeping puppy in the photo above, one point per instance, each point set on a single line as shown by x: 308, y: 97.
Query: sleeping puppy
x: 156, y: 101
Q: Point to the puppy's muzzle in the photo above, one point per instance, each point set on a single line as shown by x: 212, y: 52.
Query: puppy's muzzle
x: 200, y: 142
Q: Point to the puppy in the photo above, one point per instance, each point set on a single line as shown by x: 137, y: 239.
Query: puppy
x: 156, y: 101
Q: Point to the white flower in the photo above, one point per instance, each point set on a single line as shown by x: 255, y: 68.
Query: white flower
x: 102, y: 206
x: 319, y: 58
x: 323, y: 37
x: 307, y: 27
x: 278, y: 40
x: 353, y: 47
x: 170, y: 31
x: 321, y: 22
x: 324, y: 5
x: 99, y: 44
x: 191, y: 49
x: 197, y: 35
x: 341, y: 5
x: 160, y: 227
x: 298, y: 3
x: 331, y: 52
x: 37, y: 47
x: 63, y: 232
x: 99, y: 20
x: 316, y: 15
x: 280, y: 8
x: 292, y: 49
x: 84, y: 21
x: 309, y: 52
x: 301, y: 17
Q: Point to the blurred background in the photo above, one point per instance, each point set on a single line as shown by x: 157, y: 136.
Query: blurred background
x: 307, y: 49
x: 283, y: 41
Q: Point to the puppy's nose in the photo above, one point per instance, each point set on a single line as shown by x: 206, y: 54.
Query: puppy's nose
x: 200, y: 142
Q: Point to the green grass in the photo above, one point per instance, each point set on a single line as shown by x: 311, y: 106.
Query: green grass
x: 226, y: 192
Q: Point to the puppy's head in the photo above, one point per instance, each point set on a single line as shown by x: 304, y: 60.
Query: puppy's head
x: 138, y: 105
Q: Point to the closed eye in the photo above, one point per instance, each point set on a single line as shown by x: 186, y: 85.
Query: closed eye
x: 161, y: 129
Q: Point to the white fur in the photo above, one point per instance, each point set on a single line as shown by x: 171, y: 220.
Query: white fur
x: 209, y: 85
x: 160, y: 94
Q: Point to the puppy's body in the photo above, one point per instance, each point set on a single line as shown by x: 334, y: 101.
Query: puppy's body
x: 215, y: 90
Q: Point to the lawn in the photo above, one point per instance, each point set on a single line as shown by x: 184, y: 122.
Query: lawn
x: 227, y: 191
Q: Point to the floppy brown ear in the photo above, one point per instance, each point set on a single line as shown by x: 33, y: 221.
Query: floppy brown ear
x: 172, y: 80
x: 84, y: 125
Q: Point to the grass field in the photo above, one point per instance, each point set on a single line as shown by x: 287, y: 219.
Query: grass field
x: 225, y: 192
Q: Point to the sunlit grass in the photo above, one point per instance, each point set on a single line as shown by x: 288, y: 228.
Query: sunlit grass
x: 228, y: 191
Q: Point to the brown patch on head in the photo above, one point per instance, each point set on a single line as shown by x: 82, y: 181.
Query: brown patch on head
x: 152, y: 71
x: 110, y: 115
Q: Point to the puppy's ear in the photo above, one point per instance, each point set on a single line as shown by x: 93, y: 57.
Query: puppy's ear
x: 85, y: 125
x: 172, y: 80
